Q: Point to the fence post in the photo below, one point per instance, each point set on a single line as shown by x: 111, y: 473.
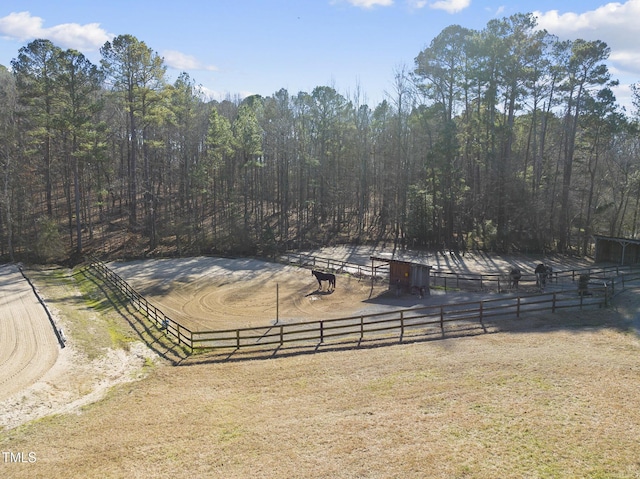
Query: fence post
x: 321, y: 331
x: 401, y: 325
x: 442, y: 319
x: 481, y: 309
x: 237, y: 338
x: 518, y: 308
x: 361, y: 327
x: 581, y: 299
x: 553, y: 304
x: 281, y: 335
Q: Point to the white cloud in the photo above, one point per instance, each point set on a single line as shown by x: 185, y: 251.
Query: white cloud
x: 616, y: 24
x: 616, y: 21
x: 209, y: 94
x: 500, y: 11
x: 181, y: 61
x: 22, y: 26
x: 370, y: 3
x: 450, y: 6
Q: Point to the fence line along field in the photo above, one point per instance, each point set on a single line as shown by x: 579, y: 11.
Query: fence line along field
x: 417, y: 320
x: 216, y: 293
x: 206, y: 293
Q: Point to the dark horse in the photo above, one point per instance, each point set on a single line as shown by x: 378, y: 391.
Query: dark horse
x: 320, y: 276
x: 543, y: 273
x: 514, y: 275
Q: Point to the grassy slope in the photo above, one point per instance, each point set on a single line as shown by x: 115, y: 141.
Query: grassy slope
x: 552, y: 397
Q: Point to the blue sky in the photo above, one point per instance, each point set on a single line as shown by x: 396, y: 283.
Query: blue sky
x: 241, y: 47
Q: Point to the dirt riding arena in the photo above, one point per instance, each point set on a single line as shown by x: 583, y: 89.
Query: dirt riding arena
x: 28, y: 345
x: 215, y: 293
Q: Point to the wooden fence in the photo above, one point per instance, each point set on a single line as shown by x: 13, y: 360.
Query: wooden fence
x: 329, y: 264
x: 450, y: 280
x: 415, y: 321
x: 560, y: 280
x: 399, y: 323
x: 179, y: 333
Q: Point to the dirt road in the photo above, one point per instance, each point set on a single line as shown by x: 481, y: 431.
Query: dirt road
x: 29, y: 345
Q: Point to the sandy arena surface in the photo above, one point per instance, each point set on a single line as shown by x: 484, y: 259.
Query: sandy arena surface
x: 216, y: 293
x: 37, y: 376
x: 29, y: 347
x: 206, y: 293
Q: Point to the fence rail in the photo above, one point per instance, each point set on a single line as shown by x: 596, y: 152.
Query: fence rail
x: 500, y: 282
x: 404, y: 322
x: 329, y: 264
x: 181, y: 334
x: 452, y: 280
x: 400, y: 322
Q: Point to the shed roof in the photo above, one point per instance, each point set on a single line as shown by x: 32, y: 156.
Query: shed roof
x: 393, y: 260
x: 617, y: 239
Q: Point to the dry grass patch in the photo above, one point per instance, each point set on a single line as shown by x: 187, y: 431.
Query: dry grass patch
x: 539, y: 401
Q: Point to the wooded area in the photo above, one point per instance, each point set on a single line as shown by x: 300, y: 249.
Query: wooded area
x: 502, y: 139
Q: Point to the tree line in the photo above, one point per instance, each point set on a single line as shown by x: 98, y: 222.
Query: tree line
x: 504, y: 139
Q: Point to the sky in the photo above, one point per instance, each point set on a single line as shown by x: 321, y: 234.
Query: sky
x: 240, y: 47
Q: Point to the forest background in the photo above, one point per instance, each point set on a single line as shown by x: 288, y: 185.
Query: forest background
x: 504, y: 139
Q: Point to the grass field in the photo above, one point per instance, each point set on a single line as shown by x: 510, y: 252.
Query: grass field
x: 547, y: 396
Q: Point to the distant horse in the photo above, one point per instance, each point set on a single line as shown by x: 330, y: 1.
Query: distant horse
x: 514, y: 275
x: 543, y: 273
x: 320, y: 276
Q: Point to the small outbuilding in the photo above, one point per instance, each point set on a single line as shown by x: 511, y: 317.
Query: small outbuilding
x: 404, y: 276
x: 617, y: 250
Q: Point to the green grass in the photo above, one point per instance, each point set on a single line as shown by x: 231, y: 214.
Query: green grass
x: 86, y: 313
